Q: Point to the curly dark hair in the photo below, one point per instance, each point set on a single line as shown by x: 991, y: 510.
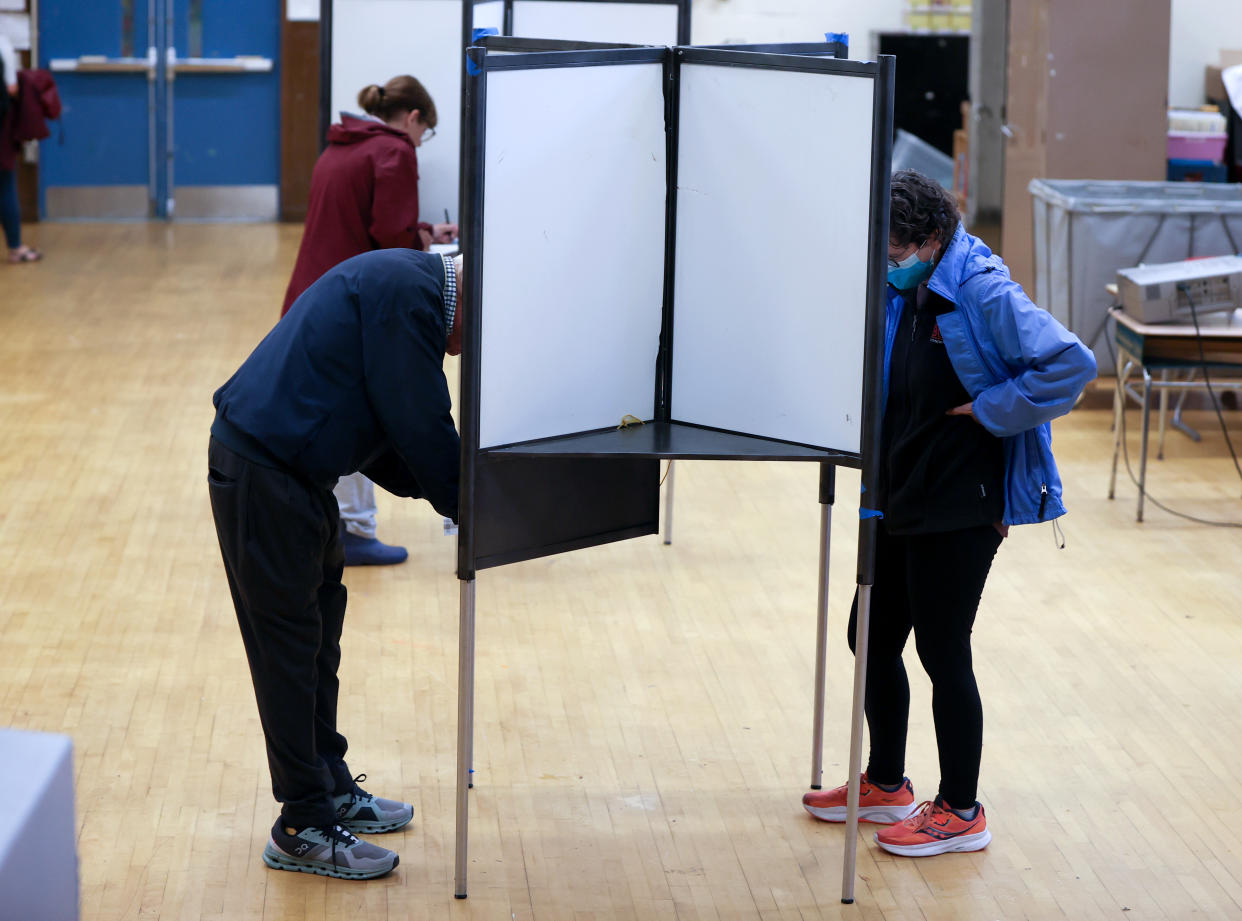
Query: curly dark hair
x: 919, y: 207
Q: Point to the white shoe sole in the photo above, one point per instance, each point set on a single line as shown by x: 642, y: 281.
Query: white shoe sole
x: 976, y: 842
x: 881, y: 815
x: 277, y: 859
x: 375, y: 826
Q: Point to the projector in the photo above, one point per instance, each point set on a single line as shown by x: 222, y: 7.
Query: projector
x: 1164, y: 293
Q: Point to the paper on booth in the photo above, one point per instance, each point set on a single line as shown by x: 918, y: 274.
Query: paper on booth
x: 1232, y: 78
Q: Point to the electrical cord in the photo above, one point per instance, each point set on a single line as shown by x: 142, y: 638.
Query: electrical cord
x: 1125, y: 450
x: 1207, y: 378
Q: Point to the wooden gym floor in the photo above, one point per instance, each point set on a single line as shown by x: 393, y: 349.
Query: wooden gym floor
x: 643, y: 712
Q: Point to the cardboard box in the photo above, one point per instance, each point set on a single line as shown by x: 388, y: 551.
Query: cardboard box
x: 1213, y: 85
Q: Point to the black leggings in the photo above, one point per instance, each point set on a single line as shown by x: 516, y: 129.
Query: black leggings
x: 931, y: 583
x: 10, y: 214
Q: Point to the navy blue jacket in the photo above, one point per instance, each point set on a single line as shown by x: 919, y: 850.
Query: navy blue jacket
x: 352, y: 379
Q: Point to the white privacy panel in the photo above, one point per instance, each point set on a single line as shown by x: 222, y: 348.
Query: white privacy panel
x: 490, y: 15
x: 573, y: 242
x: 376, y: 40
x: 626, y: 23
x: 771, y: 263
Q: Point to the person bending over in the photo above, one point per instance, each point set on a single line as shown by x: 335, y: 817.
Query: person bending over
x: 352, y: 379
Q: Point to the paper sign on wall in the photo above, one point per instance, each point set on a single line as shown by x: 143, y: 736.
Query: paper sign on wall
x: 302, y: 10
x: 16, y: 28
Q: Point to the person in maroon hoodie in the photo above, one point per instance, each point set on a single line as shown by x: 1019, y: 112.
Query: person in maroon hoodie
x: 11, y: 106
x: 364, y: 196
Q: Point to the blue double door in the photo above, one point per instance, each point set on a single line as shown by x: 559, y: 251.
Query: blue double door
x: 171, y: 109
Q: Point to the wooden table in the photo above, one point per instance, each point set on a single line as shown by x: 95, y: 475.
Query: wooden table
x: 1169, y: 349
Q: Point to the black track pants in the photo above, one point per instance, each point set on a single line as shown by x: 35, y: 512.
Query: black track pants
x: 930, y: 583
x: 281, y: 543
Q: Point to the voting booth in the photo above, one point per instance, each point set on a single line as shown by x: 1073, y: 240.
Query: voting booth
x: 619, y: 312
x: 370, y: 41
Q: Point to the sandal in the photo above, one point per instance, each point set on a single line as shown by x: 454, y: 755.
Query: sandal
x: 24, y: 254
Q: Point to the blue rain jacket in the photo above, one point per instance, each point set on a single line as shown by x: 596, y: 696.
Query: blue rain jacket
x: 1020, y: 366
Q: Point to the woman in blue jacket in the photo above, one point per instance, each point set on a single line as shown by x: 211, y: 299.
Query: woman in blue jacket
x: 973, y: 373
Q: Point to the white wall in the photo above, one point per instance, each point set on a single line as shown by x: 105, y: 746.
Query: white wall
x: 716, y: 22
x: 1200, y: 29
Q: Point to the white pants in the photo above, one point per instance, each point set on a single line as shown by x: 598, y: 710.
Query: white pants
x: 355, y: 494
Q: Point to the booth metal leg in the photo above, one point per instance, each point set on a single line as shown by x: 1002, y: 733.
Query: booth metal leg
x: 1146, y: 428
x: 861, y: 637
x: 668, y: 503
x: 1164, y: 408
x: 1177, y: 422
x: 1119, y: 407
x: 465, y: 728
x: 821, y: 650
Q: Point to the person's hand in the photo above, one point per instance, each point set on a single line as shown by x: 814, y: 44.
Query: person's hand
x: 13, y: 90
x: 425, y: 236
x: 444, y: 233
x: 966, y: 409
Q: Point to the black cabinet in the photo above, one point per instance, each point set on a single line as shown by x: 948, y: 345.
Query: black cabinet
x: 933, y: 80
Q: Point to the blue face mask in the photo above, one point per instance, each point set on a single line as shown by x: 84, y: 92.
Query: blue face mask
x: 910, y: 272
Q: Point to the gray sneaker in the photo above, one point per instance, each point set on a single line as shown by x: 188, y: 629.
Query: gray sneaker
x: 364, y: 814
x: 327, y: 851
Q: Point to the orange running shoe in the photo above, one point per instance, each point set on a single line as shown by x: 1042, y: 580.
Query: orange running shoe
x: 874, y: 804
x: 934, y: 829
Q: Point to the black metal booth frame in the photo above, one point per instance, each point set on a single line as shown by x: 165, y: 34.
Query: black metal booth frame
x: 531, y: 499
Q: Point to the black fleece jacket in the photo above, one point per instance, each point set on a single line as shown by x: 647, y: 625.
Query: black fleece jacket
x: 352, y: 379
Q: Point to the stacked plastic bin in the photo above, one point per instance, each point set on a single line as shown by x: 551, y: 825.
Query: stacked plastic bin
x: 1197, y: 146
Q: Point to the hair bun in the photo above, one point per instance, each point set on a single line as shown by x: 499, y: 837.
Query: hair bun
x: 396, y: 97
x: 370, y: 97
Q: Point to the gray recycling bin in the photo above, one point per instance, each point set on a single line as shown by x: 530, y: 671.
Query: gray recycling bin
x: 1086, y: 230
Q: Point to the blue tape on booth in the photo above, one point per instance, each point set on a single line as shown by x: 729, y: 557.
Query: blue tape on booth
x: 865, y: 513
x: 471, y: 68
x: 842, y: 37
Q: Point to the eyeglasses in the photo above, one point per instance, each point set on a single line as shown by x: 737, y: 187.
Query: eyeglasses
x: 428, y: 135
x: 896, y: 263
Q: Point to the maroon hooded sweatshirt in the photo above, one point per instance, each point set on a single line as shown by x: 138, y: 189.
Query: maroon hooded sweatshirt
x: 363, y: 196
x: 26, y: 118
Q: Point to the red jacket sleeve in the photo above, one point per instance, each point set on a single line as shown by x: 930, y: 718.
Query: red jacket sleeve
x: 394, y: 201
